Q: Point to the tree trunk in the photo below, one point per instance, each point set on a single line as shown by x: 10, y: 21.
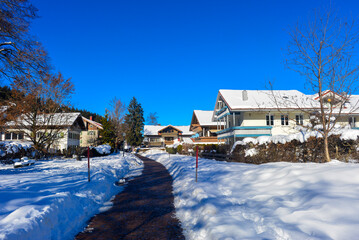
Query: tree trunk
x: 326, y: 149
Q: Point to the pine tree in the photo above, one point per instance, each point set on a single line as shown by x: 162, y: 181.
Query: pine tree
x: 134, y: 121
x: 107, y: 134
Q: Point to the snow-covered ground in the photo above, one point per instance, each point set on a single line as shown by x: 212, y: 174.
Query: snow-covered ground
x: 54, y: 200
x: 268, y: 201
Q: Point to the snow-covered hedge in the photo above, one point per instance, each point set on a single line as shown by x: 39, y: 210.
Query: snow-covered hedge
x: 10, y: 150
x: 301, y: 147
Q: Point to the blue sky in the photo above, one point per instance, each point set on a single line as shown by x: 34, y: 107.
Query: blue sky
x: 172, y: 55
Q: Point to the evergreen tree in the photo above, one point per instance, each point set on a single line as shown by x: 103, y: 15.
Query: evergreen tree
x: 134, y: 121
x: 107, y: 134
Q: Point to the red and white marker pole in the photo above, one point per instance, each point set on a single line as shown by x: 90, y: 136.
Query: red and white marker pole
x: 88, y: 162
x: 196, y: 162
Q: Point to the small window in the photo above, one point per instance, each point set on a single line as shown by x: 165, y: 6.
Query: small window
x: 270, y: 120
x: 299, y: 119
x: 21, y: 136
x: 14, y: 136
x: 284, y: 120
x: 8, y: 136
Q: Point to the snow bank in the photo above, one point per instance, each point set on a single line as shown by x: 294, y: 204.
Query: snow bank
x: 268, y: 201
x: 103, y: 149
x: 53, y: 199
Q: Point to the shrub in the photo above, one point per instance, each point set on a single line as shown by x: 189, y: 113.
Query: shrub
x: 179, y: 148
x: 295, y: 151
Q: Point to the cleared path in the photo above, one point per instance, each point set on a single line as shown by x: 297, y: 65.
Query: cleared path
x: 144, y: 210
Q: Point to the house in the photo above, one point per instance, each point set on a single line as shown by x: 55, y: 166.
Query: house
x: 66, y: 126
x: 161, y: 136
x: 90, y: 136
x: 205, y: 128
x: 254, y: 113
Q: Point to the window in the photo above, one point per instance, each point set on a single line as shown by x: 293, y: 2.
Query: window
x: 284, y: 120
x: 352, y: 122
x: 168, y: 138
x: 299, y: 119
x: 21, y: 135
x: 270, y: 120
x: 155, y: 139
x: 7, y: 136
x: 14, y: 136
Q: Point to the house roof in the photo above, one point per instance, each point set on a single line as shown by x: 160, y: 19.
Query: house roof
x: 153, y: 129
x: 56, y: 119
x: 98, y: 125
x: 170, y: 126
x: 266, y: 99
x: 205, y: 118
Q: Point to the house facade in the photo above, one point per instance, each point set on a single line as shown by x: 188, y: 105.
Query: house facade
x: 66, y: 126
x: 90, y: 136
x: 247, y: 113
x: 204, y: 127
x: 161, y: 136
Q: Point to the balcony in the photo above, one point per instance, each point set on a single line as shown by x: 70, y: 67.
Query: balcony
x: 205, y: 140
x: 249, y: 131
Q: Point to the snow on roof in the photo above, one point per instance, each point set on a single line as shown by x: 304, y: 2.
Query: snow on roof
x: 98, y: 125
x: 204, y: 118
x: 350, y: 107
x: 56, y: 119
x: 267, y: 99
x: 153, y: 129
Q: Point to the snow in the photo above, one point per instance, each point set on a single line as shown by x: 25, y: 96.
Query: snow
x: 205, y: 118
x: 54, y: 200
x: 268, y: 201
x: 153, y: 129
x: 14, y: 146
x: 98, y: 125
x: 54, y: 119
x: 266, y: 99
x: 103, y: 149
x: 345, y: 134
x: 250, y: 152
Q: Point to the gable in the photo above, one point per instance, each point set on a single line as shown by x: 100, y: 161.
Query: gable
x: 169, y: 129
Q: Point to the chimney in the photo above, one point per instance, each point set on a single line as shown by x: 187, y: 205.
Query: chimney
x: 244, y: 95
x: 91, y: 118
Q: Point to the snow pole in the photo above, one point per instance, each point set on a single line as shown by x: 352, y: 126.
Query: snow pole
x: 196, y: 162
x: 88, y: 162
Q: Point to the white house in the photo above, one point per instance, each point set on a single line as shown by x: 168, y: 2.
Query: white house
x: 67, y: 127
x: 254, y: 113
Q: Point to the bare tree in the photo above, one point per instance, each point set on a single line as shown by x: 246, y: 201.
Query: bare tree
x: 34, y: 108
x: 322, y: 52
x: 117, y: 114
x: 19, y: 51
x: 152, y: 119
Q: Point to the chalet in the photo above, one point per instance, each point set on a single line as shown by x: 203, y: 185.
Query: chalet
x: 66, y: 126
x: 248, y: 113
x: 161, y: 136
x: 90, y: 136
x: 205, y: 128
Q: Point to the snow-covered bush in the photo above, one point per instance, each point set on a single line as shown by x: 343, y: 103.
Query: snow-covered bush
x: 291, y: 149
x: 10, y: 150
